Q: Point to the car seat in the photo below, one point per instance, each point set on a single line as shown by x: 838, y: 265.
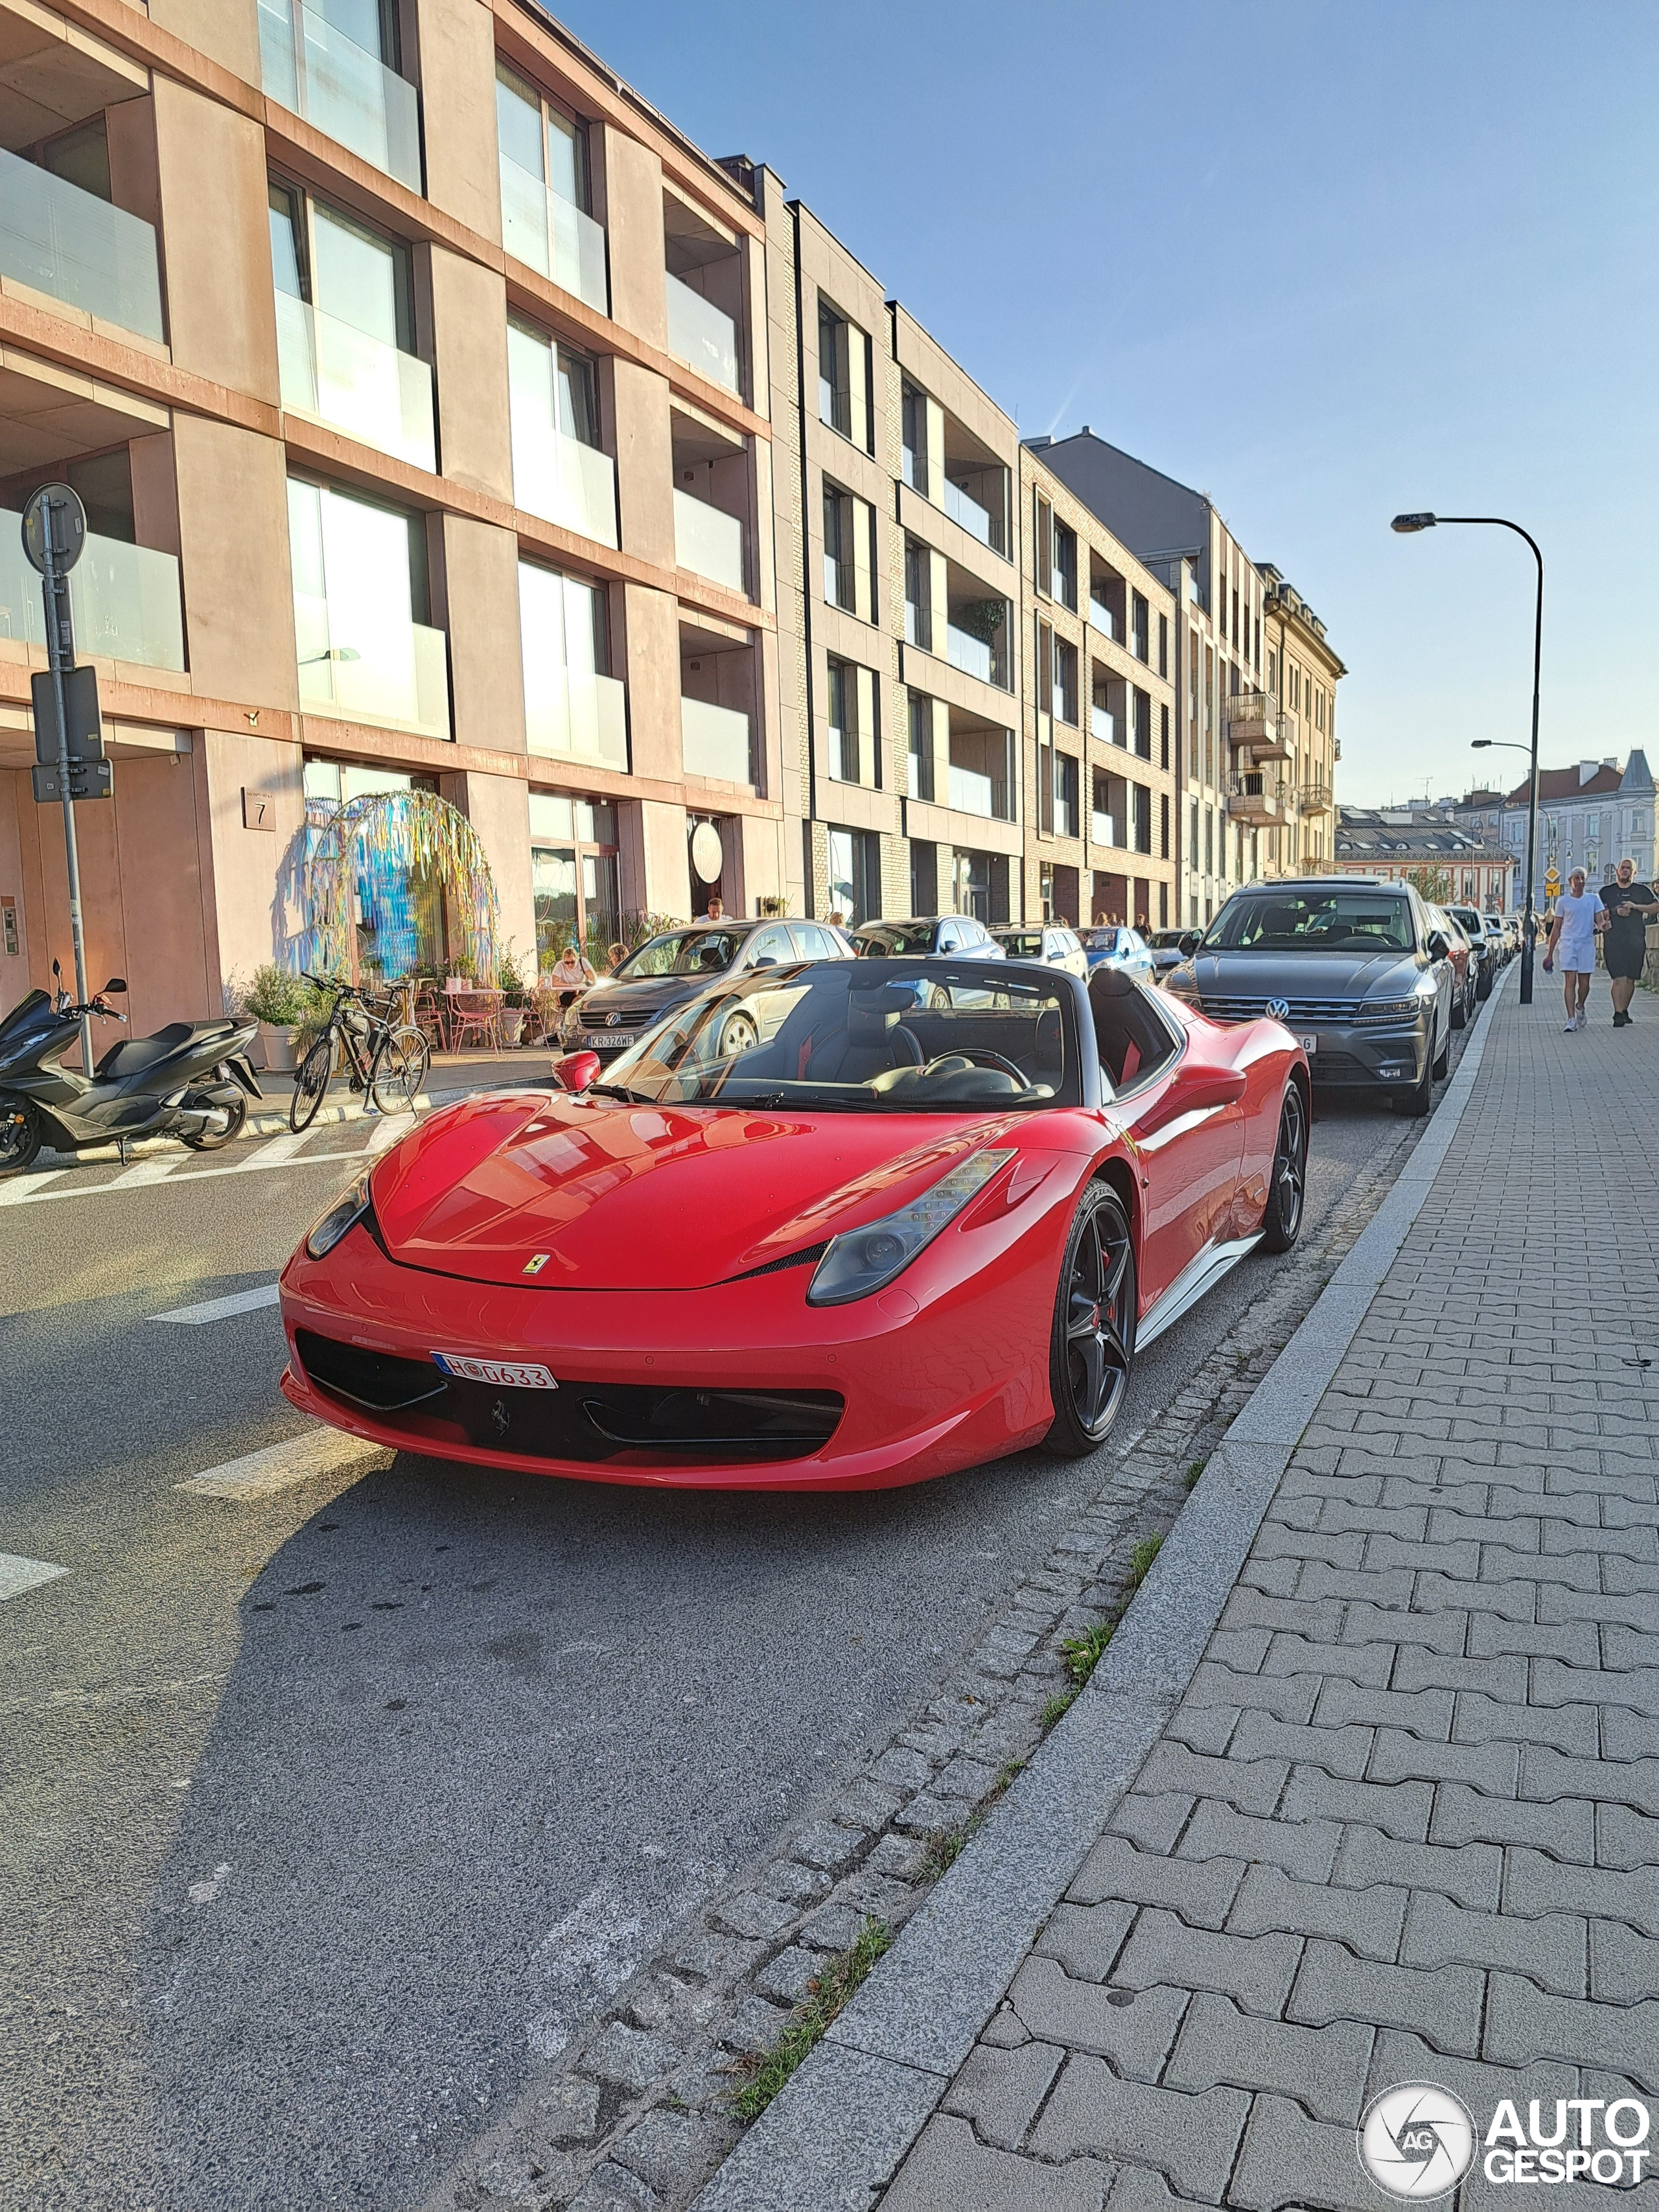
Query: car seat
x: 873, y: 1040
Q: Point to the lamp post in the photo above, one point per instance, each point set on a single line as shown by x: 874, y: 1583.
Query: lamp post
x: 1408, y: 523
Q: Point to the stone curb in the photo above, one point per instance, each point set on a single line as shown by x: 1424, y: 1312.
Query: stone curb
x: 836, y: 2134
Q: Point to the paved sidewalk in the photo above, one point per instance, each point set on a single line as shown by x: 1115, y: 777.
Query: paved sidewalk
x: 1404, y: 1824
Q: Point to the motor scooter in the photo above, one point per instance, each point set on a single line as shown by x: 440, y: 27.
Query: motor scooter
x: 190, y: 1080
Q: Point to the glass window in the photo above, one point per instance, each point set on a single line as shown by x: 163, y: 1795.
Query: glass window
x: 1064, y: 566
x: 922, y: 746
x: 835, y: 377
x: 341, y: 267
x: 572, y: 863
x: 1327, y: 920
x: 684, y: 952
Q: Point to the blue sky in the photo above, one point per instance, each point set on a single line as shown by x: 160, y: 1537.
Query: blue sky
x: 1325, y: 261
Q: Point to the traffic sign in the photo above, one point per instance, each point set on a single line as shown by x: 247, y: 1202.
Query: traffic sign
x: 88, y: 778
x: 56, y: 508
x: 85, y: 728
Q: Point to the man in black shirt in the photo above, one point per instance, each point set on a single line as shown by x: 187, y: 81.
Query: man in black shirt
x: 1630, y: 907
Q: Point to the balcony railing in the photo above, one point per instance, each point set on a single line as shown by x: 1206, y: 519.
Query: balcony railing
x: 974, y: 656
x: 340, y: 376
x: 547, y: 232
x: 979, y: 522
x: 715, y: 741
x: 701, y: 334
x: 125, y: 599
x: 574, y: 715
x: 348, y: 92
x: 709, y: 541
x: 974, y: 793
x: 59, y: 239
x: 1255, y: 797
x: 1102, y: 618
x: 562, y: 480
x: 379, y: 672
x: 1315, y: 797
x: 1103, y: 724
x: 1253, y: 719
x: 1102, y: 831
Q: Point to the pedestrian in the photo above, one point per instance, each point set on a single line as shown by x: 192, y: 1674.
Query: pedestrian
x: 716, y: 911
x: 837, y: 919
x: 1578, y: 917
x: 1629, y: 906
x: 615, y: 956
x: 570, y: 973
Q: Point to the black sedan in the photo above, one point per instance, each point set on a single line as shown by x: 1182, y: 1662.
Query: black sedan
x: 667, y: 970
x: 1356, y: 969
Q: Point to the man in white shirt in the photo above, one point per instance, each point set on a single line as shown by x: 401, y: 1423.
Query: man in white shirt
x: 1578, y: 916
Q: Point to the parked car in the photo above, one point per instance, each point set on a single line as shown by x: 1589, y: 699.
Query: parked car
x: 611, y: 1015
x: 1113, y: 944
x: 1050, y: 942
x: 925, y: 937
x: 1356, y: 969
x: 726, y: 1270
x: 1472, y: 923
x: 1169, y: 948
x: 1465, y: 970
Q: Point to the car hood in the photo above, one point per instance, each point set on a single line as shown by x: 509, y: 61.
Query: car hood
x: 619, y: 1197
x: 1301, y: 974
x: 632, y: 1001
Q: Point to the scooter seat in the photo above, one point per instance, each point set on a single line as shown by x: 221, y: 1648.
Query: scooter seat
x: 133, y: 1055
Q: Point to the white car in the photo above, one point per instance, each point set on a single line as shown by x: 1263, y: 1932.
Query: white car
x: 1050, y: 942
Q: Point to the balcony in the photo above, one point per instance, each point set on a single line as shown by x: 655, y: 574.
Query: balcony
x: 1102, y: 618
x: 713, y: 742
x: 571, y: 713
x: 346, y: 92
x: 1103, y: 724
x: 562, y: 480
x: 387, y: 672
x: 701, y: 334
x: 338, y: 374
x: 70, y: 243
x: 1314, y: 797
x: 1255, y: 798
x: 981, y: 778
x: 974, y: 793
x: 125, y: 599
x: 708, y: 541
x: 1102, y: 831
x: 549, y: 233
x: 970, y: 654
x: 1253, y: 719
x: 975, y: 519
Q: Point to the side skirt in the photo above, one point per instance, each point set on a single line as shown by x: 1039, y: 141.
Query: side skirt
x: 1197, y: 1276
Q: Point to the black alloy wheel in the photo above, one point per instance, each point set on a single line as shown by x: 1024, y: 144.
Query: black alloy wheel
x: 1093, y: 1347
x: 19, y: 1135
x: 1287, y: 1179
x: 210, y: 1140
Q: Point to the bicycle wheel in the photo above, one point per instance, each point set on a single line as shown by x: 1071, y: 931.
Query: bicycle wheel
x: 400, y: 1069
x: 310, y: 1082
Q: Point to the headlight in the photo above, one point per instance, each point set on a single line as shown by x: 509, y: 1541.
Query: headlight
x: 346, y: 1210
x: 1391, y: 1010
x: 867, y: 1259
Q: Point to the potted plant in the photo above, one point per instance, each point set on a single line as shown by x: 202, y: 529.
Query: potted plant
x: 285, y: 1007
x: 516, y: 991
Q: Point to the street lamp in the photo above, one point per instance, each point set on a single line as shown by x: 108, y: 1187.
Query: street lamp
x: 1407, y: 525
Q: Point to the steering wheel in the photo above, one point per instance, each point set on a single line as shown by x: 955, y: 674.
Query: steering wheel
x: 980, y: 1056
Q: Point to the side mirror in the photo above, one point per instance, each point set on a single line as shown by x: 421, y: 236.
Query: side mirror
x: 1437, y: 947
x: 766, y: 960
x: 576, y: 1071
x: 1190, y: 943
x: 1195, y: 1089
x: 116, y: 983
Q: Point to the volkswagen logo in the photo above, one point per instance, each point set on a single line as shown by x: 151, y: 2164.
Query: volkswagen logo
x: 611, y: 1020
x: 1278, y: 1008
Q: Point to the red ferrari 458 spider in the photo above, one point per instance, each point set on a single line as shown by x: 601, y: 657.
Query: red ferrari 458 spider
x: 857, y: 1224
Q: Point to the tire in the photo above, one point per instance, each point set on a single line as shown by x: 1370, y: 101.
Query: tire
x: 1287, y: 1179
x: 211, y: 1140
x: 1092, y: 1348
x: 1483, y: 988
x: 310, y: 1084
x: 1419, y: 1101
x: 739, y: 1035
x: 19, y: 1135
x: 400, y: 1069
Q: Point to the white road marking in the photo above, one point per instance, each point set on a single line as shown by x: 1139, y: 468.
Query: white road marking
x: 18, y: 1575
x: 151, y: 1171
x: 29, y: 1186
x: 239, y: 1301
x: 24, y: 1187
x: 275, y: 1152
x: 279, y: 1466
x: 387, y: 1131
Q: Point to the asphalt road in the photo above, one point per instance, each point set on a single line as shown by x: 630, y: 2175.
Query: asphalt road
x: 325, y: 1815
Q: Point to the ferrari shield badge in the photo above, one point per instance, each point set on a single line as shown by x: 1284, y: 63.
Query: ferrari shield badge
x: 536, y: 1262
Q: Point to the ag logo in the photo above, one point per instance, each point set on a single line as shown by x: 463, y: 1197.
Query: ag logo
x: 1280, y: 1009
x: 1416, y: 2140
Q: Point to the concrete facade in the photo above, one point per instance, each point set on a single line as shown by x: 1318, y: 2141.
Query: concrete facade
x: 1591, y: 815
x: 1302, y: 673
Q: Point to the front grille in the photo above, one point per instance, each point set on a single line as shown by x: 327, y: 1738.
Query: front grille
x: 586, y: 1422
x: 1310, y: 1013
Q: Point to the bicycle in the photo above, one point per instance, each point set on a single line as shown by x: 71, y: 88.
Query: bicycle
x: 388, y: 1063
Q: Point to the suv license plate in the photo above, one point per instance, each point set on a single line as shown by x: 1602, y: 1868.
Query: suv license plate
x: 516, y: 1374
x: 1309, y: 1043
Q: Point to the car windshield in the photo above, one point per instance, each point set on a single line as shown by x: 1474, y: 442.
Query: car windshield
x: 1333, y: 920
x: 1101, y: 940
x: 895, y: 942
x: 683, y: 953
x: 1167, y: 940
x: 1021, y: 944
x: 929, y: 1037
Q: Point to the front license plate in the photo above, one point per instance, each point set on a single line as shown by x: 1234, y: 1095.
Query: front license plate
x: 608, y: 1041
x: 1309, y: 1043
x: 516, y: 1374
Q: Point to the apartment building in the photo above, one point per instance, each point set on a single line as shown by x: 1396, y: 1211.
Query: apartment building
x: 1591, y: 815
x: 1302, y: 673
x: 414, y: 376
x: 1427, y: 846
x: 1098, y: 743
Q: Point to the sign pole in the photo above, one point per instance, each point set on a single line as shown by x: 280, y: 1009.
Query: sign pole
x: 60, y: 649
